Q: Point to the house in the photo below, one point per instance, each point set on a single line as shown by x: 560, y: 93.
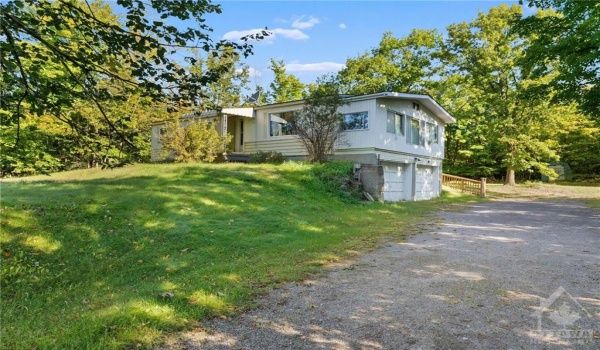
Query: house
x: 396, y: 140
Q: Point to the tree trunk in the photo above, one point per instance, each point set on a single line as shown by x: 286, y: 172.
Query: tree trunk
x: 510, y: 177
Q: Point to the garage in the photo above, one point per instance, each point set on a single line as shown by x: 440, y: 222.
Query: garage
x: 394, y: 179
x: 426, y: 183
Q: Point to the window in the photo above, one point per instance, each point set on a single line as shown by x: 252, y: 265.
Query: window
x: 413, y: 133
x: 161, y: 133
x: 432, y: 133
x: 416, y: 106
x: 356, y: 121
x: 395, y: 123
x: 278, y: 125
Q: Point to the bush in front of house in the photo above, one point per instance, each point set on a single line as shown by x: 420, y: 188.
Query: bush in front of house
x: 270, y: 157
x: 195, y: 141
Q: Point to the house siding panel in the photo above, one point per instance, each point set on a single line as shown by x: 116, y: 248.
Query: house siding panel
x: 398, y: 143
x: 359, y: 138
x: 289, y: 146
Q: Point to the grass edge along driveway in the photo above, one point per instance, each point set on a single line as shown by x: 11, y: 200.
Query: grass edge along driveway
x: 87, y: 254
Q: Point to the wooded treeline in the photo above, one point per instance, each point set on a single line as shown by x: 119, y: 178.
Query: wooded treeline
x: 524, y: 89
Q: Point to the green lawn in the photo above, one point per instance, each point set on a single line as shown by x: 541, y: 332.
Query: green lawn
x: 588, y: 192
x: 87, y: 253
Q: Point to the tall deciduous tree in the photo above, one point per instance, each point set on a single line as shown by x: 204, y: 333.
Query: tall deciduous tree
x: 285, y: 87
x: 233, y: 79
x: 91, y: 49
x: 319, y: 124
x: 486, y: 56
x: 405, y: 64
x: 567, y: 42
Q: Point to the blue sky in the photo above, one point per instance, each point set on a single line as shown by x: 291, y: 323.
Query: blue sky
x: 317, y: 37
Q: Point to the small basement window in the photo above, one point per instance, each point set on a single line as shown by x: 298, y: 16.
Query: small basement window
x: 356, y: 121
x: 395, y: 123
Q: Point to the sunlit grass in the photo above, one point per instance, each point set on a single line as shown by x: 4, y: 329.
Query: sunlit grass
x: 89, y: 255
x: 588, y: 192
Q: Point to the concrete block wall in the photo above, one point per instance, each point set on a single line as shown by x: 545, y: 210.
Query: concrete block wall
x: 371, y: 178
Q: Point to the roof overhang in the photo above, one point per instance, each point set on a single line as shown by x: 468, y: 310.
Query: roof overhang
x: 245, y: 112
x: 424, y: 100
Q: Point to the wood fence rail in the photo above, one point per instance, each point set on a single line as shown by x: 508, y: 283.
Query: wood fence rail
x: 464, y: 184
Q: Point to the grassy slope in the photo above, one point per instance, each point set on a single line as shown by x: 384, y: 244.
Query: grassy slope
x: 86, y: 253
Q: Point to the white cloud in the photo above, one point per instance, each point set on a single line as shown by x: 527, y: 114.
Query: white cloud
x: 254, y: 73
x: 236, y: 35
x: 314, y: 67
x: 293, y: 34
x: 342, y: 26
x: 298, y: 23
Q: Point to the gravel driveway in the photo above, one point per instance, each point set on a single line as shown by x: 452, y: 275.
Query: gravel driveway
x: 506, y: 274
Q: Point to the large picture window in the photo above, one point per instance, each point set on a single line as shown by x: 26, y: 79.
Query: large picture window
x: 414, y: 135
x: 356, y: 121
x: 395, y: 123
x: 278, y: 124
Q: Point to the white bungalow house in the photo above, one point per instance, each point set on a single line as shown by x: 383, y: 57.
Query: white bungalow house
x: 395, y: 139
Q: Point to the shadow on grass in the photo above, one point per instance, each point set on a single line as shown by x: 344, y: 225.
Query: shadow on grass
x: 85, y: 262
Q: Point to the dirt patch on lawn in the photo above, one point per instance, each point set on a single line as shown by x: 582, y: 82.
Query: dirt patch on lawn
x: 503, y: 274
x: 540, y: 190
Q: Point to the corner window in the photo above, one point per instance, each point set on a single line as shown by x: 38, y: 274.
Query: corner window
x: 356, y: 121
x: 432, y: 133
x: 395, y: 123
x: 413, y: 133
x: 278, y: 124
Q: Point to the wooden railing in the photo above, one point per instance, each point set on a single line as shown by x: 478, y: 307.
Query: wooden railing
x: 464, y: 184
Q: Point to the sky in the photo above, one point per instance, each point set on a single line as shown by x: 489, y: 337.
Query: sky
x: 317, y: 37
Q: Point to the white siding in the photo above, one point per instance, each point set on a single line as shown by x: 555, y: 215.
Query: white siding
x: 156, y: 153
x: 289, y: 146
x: 360, y: 138
x: 256, y: 137
x: 378, y: 137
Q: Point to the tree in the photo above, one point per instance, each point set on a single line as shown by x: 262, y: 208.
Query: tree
x: 195, y: 141
x: 227, y: 90
x: 319, y: 124
x: 505, y: 103
x: 567, y: 43
x: 405, y: 64
x: 285, y: 87
x: 89, y: 50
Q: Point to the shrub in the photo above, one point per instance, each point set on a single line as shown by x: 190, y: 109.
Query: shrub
x: 337, y: 178
x: 196, y: 141
x: 270, y: 157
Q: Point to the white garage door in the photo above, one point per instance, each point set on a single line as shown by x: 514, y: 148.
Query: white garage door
x: 427, y: 183
x: 393, y: 181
